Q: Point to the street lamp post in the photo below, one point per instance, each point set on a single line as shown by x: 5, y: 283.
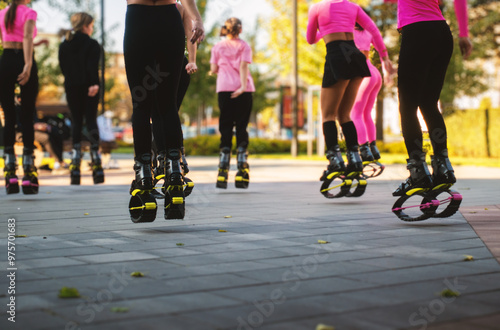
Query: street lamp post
x: 294, y: 148
x: 103, y: 62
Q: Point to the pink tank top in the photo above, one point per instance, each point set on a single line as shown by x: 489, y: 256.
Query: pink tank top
x: 363, y: 40
x: 330, y: 16
x: 16, y: 34
x: 413, y: 11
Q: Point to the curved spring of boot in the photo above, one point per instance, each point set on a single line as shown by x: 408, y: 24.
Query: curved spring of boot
x: 430, y: 206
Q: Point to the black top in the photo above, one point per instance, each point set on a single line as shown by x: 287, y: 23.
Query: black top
x: 79, y: 60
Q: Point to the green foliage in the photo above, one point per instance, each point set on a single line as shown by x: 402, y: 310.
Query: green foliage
x: 467, y: 136
x: 206, y: 145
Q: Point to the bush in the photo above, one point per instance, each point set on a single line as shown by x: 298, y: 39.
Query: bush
x: 209, y: 146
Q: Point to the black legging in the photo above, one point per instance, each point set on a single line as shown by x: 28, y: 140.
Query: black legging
x: 153, y: 49
x: 234, y: 112
x: 181, y: 92
x: 83, y: 106
x: 425, y: 53
x: 11, y: 65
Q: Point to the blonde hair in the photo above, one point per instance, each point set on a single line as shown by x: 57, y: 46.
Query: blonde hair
x: 78, y: 21
x: 232, y: 26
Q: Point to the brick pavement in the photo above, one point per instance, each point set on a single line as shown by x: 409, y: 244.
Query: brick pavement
x: 266, y: 271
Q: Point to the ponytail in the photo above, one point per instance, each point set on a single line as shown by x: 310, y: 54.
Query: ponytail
x: 232, y: 26
x: 78, y: 21
x: 10, y: 16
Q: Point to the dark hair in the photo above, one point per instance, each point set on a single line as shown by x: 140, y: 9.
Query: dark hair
x: 10, y: 16
x: 78, y: 21
x: 232, y: 27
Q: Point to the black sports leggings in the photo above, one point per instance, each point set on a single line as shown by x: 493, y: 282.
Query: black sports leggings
x: 83, y: 106
x: 11, y: 65
x: 425, y: 53
x: 234, y: 112
x: 181, y: 92
x: 154, y: 49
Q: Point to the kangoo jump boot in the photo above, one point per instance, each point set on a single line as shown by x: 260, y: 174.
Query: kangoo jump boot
x: 243, y: 174
x: 419, y: 176
x: 11, y: 179
x: 224, y: 160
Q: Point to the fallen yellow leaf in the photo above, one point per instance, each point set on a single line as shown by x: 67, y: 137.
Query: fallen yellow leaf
x: 323, y: 242
x: 324, y: 327
x: 449, y: 293
x: 85, y: 214
x: 222, y: 231
x: 228, y: 216
x: 180, y: 244
x: 66, y: 292
x: 137, y: 274
x: 468, y: 258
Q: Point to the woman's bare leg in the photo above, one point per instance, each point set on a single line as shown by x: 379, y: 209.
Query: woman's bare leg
x: 331, y: 98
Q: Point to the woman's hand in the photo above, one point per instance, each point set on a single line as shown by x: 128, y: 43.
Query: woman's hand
x: 93, y: 90
x: 191, y: 68
x: 389, y: 72
x: 465, y: 46
x: 24, y: 76
x: 237, y: 92
x: 198, y: 32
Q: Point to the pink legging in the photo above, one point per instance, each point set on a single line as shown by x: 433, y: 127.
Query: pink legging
x: 361, y: 113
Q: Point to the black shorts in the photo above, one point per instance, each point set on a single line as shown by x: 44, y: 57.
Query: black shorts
x: 343, y: 61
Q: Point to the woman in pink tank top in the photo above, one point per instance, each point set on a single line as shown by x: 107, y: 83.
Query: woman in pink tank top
x: 426, y: 49
x: 229, y: 60
x: 18, y: 66
x: 345, y: 68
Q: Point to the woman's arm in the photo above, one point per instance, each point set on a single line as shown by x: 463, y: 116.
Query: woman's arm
x: 29, y: 28
x: 197, y: 26
x: 463, y: 26
x: 243, y: 80
x: 313, y: 35
x: 214, y: 69
x: 92, y: 69
x: 186, y: 20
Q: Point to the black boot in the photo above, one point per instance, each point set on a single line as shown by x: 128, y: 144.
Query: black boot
x: 336, y: 162
x: 366, y: 153
x: 174, y: 192
x: 74, y: 167
x: 354, y: 163
x: 374, y: 150
x: 11, y: 179
x: 442, y: 171
x: 184, y: 163
x: 30, y: 178
x: 243, y: 174
x: 143, y: 177
x: 224, y: 160
x: 97, y: 171
x: 419, y: 176
x: 159, y: 173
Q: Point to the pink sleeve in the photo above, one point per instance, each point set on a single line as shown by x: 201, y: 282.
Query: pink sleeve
x: 214, y: 58
x: 246, y: 56
x: 31, y: 15
x: 463, y: 22
x: 366, y: 22
x: 313, y: 35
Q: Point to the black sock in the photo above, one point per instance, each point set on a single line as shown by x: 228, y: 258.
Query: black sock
x: 350, y: 134
x: 331, y: 134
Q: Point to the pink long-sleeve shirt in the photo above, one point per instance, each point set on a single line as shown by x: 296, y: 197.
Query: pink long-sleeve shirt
x: 16, y: 34
x: 413, y: 11
x: 330, y: 16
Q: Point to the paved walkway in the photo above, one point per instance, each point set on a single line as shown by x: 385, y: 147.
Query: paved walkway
x: 266, y: 268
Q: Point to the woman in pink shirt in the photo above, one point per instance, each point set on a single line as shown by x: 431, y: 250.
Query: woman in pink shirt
x: 345, y: 68
x: 361, y: 113
x: 426, y: 49
x: 230, y: 59
x: 17, y: 65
